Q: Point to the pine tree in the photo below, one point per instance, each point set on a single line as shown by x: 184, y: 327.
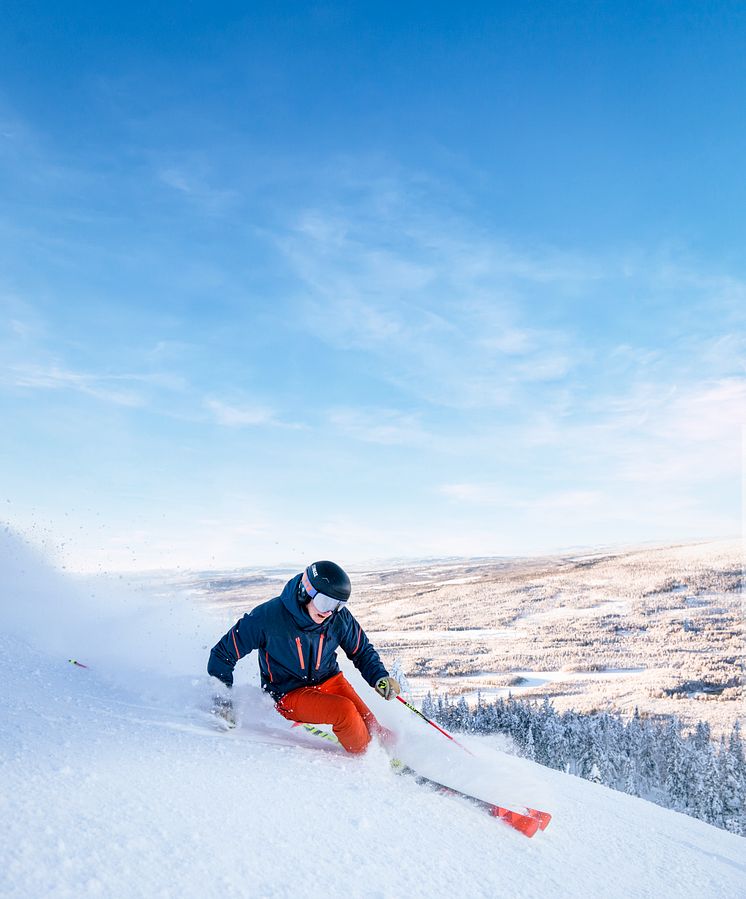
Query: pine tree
x: 735, y: 744
x: 730, y: 789
x: 646, y: 760
x: 576, y: 743
x: 555, y: 745
x: 675, y: 766
x: 702, y: 736
x: 632, y: 741
x: 461, y: 717
x: 428, y: 706
x: 711, y: 809
x: 529, y: 750
x: 697, y: 799
x: 398, y: 672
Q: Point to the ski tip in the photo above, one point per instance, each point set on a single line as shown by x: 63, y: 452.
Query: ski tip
x: 522, y: 823
x: 542, y: 817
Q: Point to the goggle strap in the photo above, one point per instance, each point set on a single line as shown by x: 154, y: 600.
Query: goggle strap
x: 308, y: 586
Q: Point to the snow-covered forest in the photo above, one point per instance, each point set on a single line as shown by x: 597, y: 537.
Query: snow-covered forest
x: 643, y: 756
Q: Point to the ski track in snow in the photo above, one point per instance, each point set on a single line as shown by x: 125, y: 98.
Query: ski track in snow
x: 108, y: 791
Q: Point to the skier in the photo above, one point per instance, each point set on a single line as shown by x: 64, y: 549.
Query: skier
x: 296, y: 636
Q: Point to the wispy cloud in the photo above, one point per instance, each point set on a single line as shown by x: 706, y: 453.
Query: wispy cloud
x: 376, y: 425
x: 192, y: 183
x: 442, y: 314
x: 474, y: 492
x: 486, y: 493
x: 650, y: 462
x: 239, y: 416
x: 692, y: 438
x: 456, y: 316
x: 36, y: 358
x: 95, y: 385
x: 244, y: 414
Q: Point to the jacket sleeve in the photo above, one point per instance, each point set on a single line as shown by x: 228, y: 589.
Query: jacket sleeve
x: 360, y: 651
x: 237, y: 643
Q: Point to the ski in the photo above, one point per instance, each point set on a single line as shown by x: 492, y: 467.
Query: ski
x: 542, y: 817
x: 527, y: 824
x: 316, y: 731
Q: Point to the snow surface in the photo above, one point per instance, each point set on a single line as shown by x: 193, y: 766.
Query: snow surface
x: 114, y: 782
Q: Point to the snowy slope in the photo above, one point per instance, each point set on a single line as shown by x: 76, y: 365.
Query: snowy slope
x: 113, y: 782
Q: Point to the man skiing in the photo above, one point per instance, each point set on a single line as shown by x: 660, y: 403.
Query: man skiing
x: 296, y: 636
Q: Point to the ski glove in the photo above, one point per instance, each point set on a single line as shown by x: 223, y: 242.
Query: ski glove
x: 222, y: 707
x: 388, y: 687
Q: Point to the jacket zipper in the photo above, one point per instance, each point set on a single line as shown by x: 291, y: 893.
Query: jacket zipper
x: 301, y: 659
x: 300, y: 654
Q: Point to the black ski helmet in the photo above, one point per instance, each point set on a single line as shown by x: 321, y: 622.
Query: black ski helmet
x: 327, y: 578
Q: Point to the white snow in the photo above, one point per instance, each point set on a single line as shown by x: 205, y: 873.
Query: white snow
x: 114, y: 783
x: 604, y: 607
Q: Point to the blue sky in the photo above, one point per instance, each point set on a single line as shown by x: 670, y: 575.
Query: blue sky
x: 283, y: 281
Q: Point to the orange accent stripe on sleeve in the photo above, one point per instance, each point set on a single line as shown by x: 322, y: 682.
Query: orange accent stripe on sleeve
x: 266, y: 656
x: 300, y: 653
x: 318, y: 654
x: 233, y: 634
x: 359, y: 634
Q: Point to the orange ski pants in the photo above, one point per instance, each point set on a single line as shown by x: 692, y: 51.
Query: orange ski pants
x: 334, y: 702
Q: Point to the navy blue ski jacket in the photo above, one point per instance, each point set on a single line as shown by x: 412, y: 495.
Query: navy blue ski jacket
x: 293, y: 650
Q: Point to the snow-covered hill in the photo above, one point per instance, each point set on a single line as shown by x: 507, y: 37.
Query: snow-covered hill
x: 114, y: 782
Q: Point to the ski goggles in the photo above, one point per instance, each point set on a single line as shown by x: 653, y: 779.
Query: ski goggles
x: 322, y: 602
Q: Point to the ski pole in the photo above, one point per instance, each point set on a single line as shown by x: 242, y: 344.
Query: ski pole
x: 433, y: 724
